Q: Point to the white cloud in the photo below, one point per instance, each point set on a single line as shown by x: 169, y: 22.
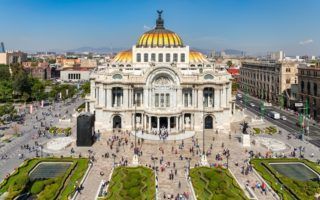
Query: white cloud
x: 309, y: 41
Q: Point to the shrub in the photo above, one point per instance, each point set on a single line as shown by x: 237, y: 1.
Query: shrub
x: 18, y: 185
x: 37, y: 187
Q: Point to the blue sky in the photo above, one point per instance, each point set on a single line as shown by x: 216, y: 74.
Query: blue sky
x: 255, y: 26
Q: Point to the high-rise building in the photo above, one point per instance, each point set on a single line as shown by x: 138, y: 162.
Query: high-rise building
x: 277, y: 56
x: 2, y: 49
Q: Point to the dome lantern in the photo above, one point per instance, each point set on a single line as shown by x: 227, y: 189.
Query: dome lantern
x: 159, y: 36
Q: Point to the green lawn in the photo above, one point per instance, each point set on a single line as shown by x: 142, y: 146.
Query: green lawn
x: 134, y: 183
x: 287, y: 188
x: 51, y: 188
x: 215, y: 183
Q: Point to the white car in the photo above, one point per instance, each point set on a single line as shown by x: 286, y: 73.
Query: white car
x: 283, y: 117
x: 252, y: 105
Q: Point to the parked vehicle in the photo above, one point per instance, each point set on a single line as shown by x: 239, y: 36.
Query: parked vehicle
x: 252, y: 105
x: 274, y: 115
x: 283, y: 117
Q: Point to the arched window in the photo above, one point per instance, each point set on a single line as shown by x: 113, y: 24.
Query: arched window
x: 117, y: 76
x: 138, y: 57
x: 308, y: 87
x: 117, y: 121
x: 145, y: 57
x: 302, y: 86
x: 315, y: 89
x: 208, y: 122
x: 208, y: 77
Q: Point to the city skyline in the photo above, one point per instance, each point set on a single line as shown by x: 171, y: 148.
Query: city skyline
x: 252, y: 26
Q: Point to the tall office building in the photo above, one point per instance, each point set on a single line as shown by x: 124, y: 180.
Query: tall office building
x: 2, y: 49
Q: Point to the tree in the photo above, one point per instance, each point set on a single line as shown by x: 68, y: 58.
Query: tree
x: 229, y: 63
x: 21, y: 83
x: 37, y: 89
x: 85, y: 89
x: 4, y: 72
x: 6, y: 90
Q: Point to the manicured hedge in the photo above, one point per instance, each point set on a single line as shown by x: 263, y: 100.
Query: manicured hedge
x: 215, y: 184
x: 134, y: 183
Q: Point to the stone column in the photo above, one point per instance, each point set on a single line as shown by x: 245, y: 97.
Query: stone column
x: 109, y: 98
x: 149, y: 123
x: 179, y: 101
x: 158, y: 123
x: 168, y: 127
x: 216, y: 98
x: 177, y: 123
x: 200, y: 98
x: 125, y: 97
x: 220, y: 101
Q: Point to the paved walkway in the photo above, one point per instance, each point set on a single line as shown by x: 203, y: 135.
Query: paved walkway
x: 181, y: 136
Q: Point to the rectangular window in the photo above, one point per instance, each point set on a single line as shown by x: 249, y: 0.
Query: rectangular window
x: 138, y: 99
x: 167, y: 57
x: 138, y: 57
x: 175, y: 57
x: 105, y: 98
x: 162, y: 100
x: 185, y: 99
x: 145, y: 57
x: 153, y: 57
x: 156, y: 103
x: 167, y: 100
x: 160, y: 57
x: 182, y: 57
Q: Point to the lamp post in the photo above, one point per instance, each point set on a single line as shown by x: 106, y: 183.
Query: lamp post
x: 135, y: 160
x: 228, y: 155
x: 204, y: 161
x: 114, y: 159
x: 154, y: 161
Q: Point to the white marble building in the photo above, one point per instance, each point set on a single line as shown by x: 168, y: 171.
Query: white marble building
x: 164, y: 84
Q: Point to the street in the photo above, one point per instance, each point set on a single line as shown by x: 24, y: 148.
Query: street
x: 290, y: 124
x: 26, y: 144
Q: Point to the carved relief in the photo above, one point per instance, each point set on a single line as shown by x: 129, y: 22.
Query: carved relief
x: 160, y: 81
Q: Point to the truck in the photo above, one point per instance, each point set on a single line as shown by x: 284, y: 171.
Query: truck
x: 274, y: 115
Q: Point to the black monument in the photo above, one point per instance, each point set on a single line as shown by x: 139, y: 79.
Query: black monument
x: 85, y: 129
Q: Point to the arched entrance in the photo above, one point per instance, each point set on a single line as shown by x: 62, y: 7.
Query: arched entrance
x: 117, y: 121
x: 208, y: 122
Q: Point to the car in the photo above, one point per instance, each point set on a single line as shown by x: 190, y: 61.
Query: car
x: 283, y: 117
x: 252, y: 105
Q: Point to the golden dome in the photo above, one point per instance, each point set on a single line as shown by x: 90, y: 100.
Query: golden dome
x: 196, y: 57
x: 123, y: 57
x: 159, y: 36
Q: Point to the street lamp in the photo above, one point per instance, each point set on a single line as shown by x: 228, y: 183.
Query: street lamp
x: 154, y: 161
x: 204, y: 160
x: 114, y: 159
x: 228, y: 155
x: 135, y: 160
